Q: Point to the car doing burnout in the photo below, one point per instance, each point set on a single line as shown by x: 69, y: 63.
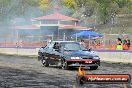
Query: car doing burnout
x: 68, y: 54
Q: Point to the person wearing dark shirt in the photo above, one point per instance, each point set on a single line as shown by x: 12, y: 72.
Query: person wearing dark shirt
x: 56, y: 46
x: 126, y: 43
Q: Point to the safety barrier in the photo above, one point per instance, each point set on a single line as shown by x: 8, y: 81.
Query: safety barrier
x: 105, y: 55
x: 115, y: 55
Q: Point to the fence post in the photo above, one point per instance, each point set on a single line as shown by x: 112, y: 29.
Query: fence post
x: 64, y: 36
x: 104, y: 41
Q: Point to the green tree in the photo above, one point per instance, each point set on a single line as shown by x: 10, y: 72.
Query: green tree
x: 69, y: 3
x: 4, y: 10
x: 15, y: 8
x: 107, y: 10
x: 122, y: 3
x: 130, y: 6
x: 43, y: 4
x: 23, y: 5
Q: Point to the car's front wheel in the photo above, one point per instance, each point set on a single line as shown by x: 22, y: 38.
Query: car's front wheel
x: 45, y: 63
x: 93, y: 67
x: 64, y: 65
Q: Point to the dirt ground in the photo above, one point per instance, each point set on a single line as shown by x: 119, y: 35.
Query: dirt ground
x: 25, y: 72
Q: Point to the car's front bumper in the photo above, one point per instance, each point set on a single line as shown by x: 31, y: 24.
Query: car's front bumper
x: 83, y: 63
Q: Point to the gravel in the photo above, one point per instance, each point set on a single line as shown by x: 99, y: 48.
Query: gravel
x: 27, y: 72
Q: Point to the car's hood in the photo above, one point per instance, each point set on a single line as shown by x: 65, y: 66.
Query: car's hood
x: 79, y: 53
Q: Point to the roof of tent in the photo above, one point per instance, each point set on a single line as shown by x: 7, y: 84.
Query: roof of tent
x: 86, y: 34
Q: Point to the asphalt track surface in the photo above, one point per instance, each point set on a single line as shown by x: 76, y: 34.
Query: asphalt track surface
x: 25, y: 72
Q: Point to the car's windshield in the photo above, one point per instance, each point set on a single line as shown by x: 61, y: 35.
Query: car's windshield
x: 73, y: 46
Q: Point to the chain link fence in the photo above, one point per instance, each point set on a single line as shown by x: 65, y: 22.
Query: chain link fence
x: 32, y: 41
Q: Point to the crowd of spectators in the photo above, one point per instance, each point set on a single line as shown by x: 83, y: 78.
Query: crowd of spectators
x: 123, y: 43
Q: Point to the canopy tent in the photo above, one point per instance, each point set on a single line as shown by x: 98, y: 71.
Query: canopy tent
x: 86, y: 34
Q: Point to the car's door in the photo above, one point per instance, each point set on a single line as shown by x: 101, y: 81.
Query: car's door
x: 56, y: 50
x: 53, y: 53
x: 50, y: 49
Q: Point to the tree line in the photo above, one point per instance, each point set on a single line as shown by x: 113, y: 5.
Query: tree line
x: 104, y: 11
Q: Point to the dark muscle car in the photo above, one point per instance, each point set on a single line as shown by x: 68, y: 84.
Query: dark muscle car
x: 68, y: 54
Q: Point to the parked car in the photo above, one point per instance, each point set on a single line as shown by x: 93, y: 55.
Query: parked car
x: 68, y: 54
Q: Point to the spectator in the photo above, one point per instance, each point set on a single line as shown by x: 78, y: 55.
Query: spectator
x: 119, y: 44
x: 126, y: 43
x: 17, y: 45
x: 82, y: 43
x: 56, y: 46
x: 49, y: 40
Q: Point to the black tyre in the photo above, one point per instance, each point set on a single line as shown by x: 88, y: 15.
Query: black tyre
x: 93, y: 67
x: 64, y: 65
x: 45, y: 63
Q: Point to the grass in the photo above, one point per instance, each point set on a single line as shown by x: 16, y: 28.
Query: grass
x: 123, y: 25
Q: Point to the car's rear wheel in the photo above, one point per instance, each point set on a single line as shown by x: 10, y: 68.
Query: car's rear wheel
x: 39, y: 58
x: 93, y: 67
x: 64, y: 65
x: 45, y: 63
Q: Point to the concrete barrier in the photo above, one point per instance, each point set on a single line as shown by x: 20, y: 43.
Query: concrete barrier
x: 19, y: 51
x: 111, y: 56
x: 115, y: 56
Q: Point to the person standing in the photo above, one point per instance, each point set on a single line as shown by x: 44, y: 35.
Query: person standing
x: 119, y: 44
x: 49, y: 40
x: 126, y: 43
x: 82, y: 43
